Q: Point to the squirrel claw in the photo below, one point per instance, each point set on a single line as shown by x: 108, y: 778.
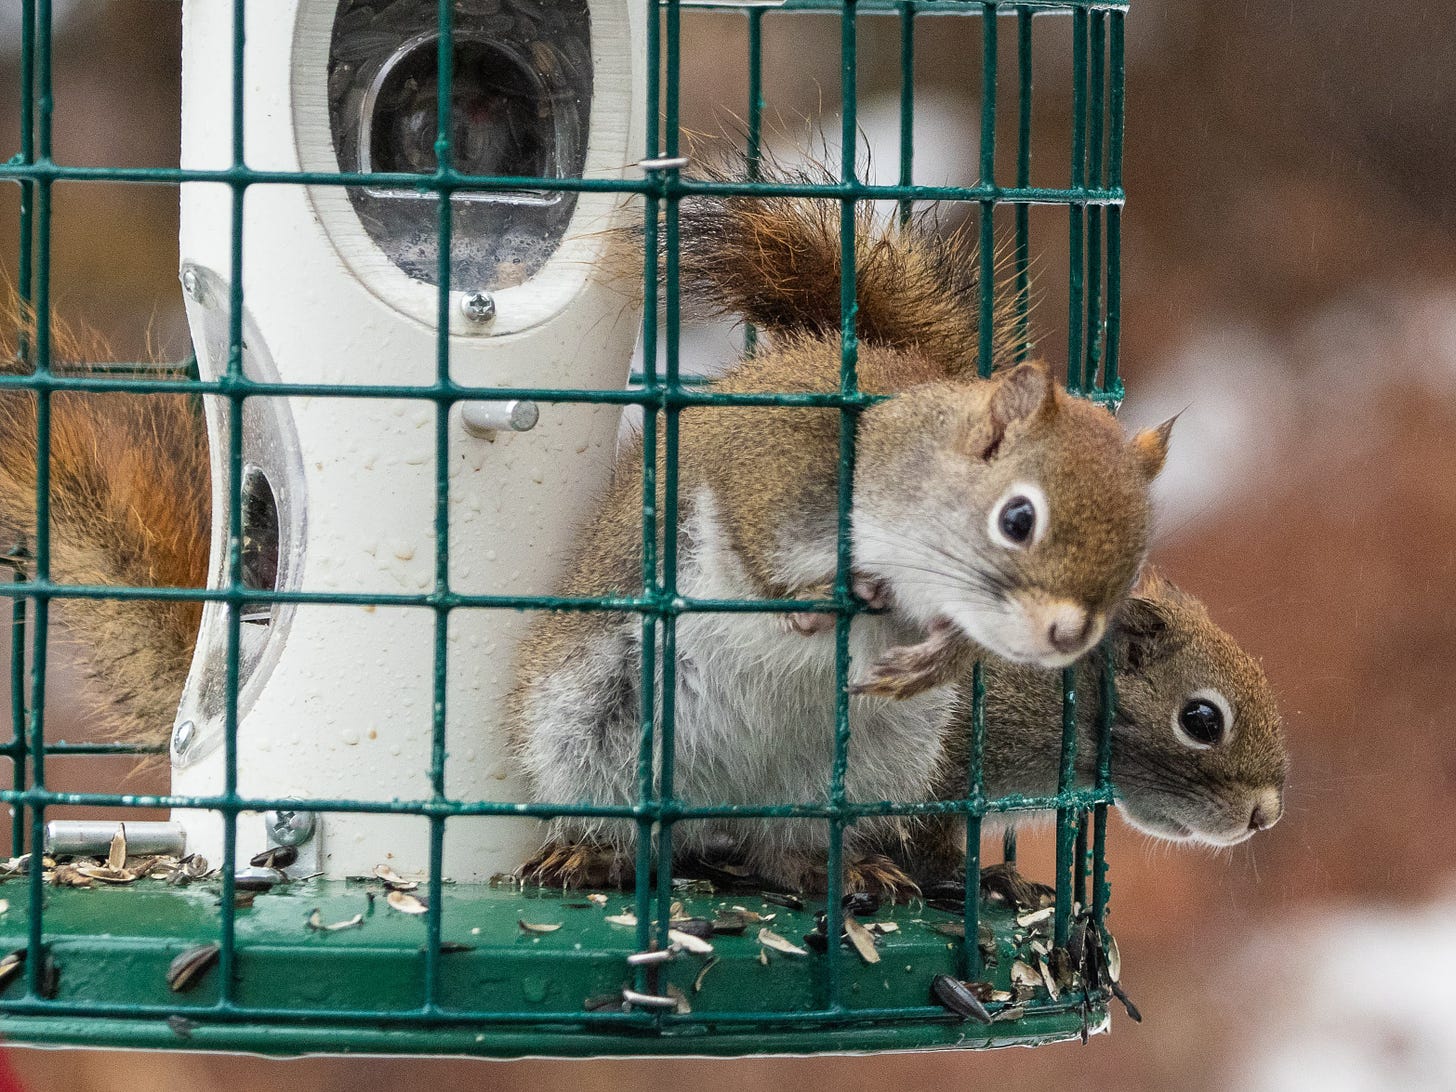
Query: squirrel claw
x: 906, y: 670
x: 577, y: 864
x: 879, y: 875
x: 807, y: 623
x: 874, y: 591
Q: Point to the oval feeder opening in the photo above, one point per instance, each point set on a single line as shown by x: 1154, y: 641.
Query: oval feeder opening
x: 520, y: 96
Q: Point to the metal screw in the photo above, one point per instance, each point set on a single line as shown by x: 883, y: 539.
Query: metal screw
x: 478, y: 306
x: 190, y: 283
x: 289, y: 828
x: 183, y: 736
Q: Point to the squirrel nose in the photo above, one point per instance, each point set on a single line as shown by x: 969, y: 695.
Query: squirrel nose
x: 1267, y: 810
x: 1071, y: 626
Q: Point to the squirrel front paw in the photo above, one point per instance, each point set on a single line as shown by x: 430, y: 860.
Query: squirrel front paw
x: 578, y: 864
x: 906, y: 670
x: 871, y: 589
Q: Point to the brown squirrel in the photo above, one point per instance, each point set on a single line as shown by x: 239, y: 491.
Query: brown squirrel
x: 129, y: 505
x: 1197, y: 753
x: 998, y: 511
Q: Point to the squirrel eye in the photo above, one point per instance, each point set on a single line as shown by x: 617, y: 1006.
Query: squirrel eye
x: 1204, y: 720
x: 1019, y: 519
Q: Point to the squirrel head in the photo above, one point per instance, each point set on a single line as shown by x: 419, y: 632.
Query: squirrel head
x: 1198, y: 745
x: 1013, y: 509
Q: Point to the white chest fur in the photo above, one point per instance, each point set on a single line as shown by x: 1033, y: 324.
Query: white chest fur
x: 755, y: 716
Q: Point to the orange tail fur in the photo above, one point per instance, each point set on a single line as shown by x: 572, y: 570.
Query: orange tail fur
x: 129, y: 505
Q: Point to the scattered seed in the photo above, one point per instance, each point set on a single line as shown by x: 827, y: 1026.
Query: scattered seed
x: 194, y: 866
x: 10, y: 966
x: 682, y: 1006
x: 188, y: 969
x: 598, y: 899
x: 1132, y: 1010
x: 316, y: 923
x: 702, y: 974
x: 394, y: 881
x: 1053, y: 990
x: 883, y: 927
x: 405, y: 903
x: 621, y: 919
x: 1114, y: 959
x: 181, y: 1026
x: 701, y: 928
x: 1059, y: 963
x: 243, y: 900
x: 769, y: 939
x: 1035, y: 917
x: 729, y: 924
x: 860, y: 904
x: 601, y: 1002
x: 105, y: 873
x: 696, y: 945
x: 275, y: 857
x: 4, y: 906
x: 788, y: 902
x: 862, y: 939
x: 753, y: 917
x: 956, y: 996
x: 537, y: 927
x: 116, y: 859
x: 68, y: 875
x: 763, y: 956
x: 1024, y: 974
x: 1010, y: 1012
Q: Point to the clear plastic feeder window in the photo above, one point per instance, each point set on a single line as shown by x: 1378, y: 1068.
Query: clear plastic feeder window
x: 520, y: 99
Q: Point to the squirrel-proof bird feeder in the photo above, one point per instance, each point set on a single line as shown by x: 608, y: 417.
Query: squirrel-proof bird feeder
x: 393, y: 253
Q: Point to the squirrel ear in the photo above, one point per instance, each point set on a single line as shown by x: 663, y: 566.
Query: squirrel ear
x: 1142, y: 635
x: 1022, y: 393
x: 1150, y: 447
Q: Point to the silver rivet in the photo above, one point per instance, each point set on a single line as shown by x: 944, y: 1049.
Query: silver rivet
x: 478, y: 306
x: 182, y: 736
x: 190, y: 283
x: 289, y: 828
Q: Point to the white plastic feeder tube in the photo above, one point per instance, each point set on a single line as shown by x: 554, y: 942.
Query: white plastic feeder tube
x: 336, y: 701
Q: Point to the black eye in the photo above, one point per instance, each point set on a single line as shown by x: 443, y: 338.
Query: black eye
x: 1202, y: 721
x: 1017, y: 520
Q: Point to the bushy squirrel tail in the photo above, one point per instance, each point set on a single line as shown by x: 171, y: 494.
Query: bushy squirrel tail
x: 775, y: 261
x: 130, y: 505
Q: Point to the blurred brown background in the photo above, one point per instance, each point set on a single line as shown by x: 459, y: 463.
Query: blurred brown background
x: 1290, y: 278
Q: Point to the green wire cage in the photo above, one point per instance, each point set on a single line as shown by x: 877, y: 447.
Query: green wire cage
x: 213, y: 965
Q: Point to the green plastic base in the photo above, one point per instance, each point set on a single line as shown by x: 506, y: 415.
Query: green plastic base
x: 500, y: 990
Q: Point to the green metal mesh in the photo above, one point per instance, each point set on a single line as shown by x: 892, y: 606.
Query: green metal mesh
x: 397, y: 990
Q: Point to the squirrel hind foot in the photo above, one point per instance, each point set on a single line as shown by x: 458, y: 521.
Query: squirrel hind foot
x: 578, y: 864
x: 869, y: 872
x: 878, y: 875
x: 1005, y: 883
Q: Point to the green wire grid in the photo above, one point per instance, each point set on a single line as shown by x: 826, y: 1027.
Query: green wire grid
x: 436, y: 984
